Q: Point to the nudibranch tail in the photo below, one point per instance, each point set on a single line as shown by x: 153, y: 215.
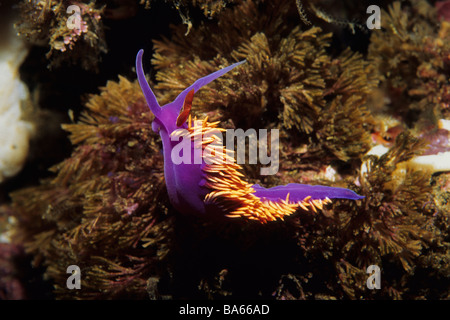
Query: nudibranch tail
x: 298, y: 192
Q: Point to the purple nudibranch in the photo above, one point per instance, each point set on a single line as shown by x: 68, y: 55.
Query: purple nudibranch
x: 214, y: 187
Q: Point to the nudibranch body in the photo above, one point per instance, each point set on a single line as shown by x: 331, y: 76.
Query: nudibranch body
x: 214, y: 186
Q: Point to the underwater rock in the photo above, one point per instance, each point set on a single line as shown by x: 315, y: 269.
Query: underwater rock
x: 443, y: 9
x: 15, y: 131
x: 434, y: 158
x: 11, y: 287
x: 72, y: 30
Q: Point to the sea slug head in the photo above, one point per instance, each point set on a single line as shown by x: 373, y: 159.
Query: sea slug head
x: 173, y: 115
